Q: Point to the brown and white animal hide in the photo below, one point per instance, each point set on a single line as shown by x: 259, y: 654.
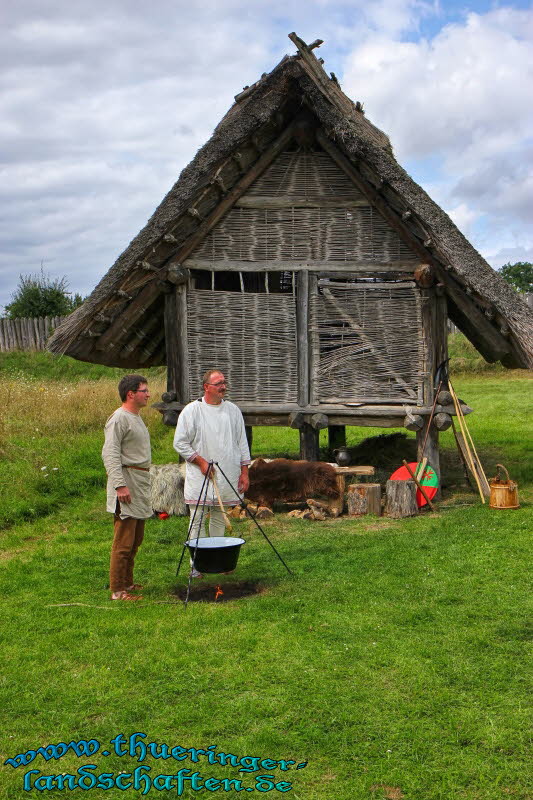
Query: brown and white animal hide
x: 166, y: 490
x: 287, y: 481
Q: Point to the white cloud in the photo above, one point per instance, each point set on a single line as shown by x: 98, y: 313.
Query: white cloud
x: 462, y: 101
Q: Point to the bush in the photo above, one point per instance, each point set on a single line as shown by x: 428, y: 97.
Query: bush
x: 41, y: 296
x: 519, y: 275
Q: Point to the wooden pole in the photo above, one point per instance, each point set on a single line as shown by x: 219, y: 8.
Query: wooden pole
x: 469, y: 457
x: 422, y: 490
x: 302, y: 335
x: 309, y: 446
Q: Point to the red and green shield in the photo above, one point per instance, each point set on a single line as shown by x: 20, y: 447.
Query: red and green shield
x: 428, y: 480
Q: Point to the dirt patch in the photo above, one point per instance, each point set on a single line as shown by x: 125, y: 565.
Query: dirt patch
x: 388, y: 792
x: 220, y: 593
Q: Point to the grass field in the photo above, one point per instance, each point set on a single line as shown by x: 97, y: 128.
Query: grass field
x: 392, y: 664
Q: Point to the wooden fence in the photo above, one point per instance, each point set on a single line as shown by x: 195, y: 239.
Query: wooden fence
x: 26, y: 333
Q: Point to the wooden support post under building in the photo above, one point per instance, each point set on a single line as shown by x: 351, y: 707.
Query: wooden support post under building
x: 249, y: 436
x: 401, y: 499
x: 431, y: 449
x: 309, y: 447
x: 336, y: 437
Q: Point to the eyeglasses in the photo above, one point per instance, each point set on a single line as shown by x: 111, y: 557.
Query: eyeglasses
x: 220, y: 383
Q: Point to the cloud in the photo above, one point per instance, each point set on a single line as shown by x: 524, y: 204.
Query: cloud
x: 462, y: 102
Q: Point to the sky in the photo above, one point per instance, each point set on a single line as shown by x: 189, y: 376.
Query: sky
x: 102, y: 104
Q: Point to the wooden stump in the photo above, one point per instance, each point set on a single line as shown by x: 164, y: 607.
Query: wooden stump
x: 401, y: 499
x: 364, y: 498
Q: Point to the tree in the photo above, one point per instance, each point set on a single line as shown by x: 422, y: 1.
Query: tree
x: 519, y: 275
x: 41, y: 296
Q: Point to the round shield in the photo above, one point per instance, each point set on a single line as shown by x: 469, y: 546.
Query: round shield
x: 428, y: 480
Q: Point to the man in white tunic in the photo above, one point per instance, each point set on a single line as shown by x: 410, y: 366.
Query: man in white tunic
x: 212, y: 429
x: 126, y: 454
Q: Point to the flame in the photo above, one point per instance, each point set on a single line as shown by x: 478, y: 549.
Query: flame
x: 218, y: 592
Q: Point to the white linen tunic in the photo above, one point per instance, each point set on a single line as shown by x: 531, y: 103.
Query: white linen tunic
x: 217, y: 433
x: 127, y: 441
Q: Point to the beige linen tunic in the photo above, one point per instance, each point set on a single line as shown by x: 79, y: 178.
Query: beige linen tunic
x: 127, y: 441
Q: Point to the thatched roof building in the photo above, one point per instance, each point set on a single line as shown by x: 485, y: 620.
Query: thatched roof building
x: 122, y: 322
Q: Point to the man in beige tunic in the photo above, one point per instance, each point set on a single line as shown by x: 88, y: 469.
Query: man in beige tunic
x: 126, y: 455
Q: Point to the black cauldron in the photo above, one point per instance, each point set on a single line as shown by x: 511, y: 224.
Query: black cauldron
x: 215, y: 553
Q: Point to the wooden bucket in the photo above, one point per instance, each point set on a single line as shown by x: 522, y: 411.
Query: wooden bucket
x: 503, y: 494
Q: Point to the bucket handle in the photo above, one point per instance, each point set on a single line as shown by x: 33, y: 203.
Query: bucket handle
x: 498, y: 473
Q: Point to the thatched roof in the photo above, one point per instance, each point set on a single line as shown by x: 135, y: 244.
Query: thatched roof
x: 122, y: 322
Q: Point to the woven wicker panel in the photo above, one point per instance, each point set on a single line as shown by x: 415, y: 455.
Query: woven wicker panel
x: 329, y: 234
x: 250, y: 337
x: 366, y: 342
x: 304, y: 174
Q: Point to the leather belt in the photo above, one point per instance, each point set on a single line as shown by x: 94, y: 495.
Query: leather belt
x: 130, y: 466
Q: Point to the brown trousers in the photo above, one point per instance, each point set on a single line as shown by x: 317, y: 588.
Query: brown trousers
x: 128, y: 537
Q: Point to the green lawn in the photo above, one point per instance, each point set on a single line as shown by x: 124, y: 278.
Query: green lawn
x: 393, y: 664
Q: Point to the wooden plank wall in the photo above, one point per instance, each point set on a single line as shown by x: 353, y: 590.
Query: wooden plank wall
x: 27, y: 333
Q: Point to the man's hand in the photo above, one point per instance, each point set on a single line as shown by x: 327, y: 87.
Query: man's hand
x: 204, y: 465
x: 244, y: 481
x: 123, y: 494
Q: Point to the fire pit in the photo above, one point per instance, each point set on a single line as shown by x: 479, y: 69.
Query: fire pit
x: 232, y: 590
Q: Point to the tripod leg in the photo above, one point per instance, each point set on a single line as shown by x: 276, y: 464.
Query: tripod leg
x: 254, y: 519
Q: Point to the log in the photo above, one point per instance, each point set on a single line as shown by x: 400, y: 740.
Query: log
x: 313, y: 265
x: 424, y: 276
x: 296, y: 420
x: 336, y: 505
x: 168, y: 397
x: 413, y: 422
x: 364, y: 498
x: 444, y: 398
x: 360, y: 470
x: 442, y: 421
x: 401, y: 499
x: 319, y: 421
x: 170, y: 418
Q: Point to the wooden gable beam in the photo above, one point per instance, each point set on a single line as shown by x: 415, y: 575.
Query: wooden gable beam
x: 489, y: 341
x: 118, y: 332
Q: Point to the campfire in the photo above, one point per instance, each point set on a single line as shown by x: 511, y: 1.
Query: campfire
x: 207, y: 593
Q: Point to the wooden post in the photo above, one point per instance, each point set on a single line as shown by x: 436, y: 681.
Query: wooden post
x: 364, y: 498
x: 336, y: 437
x: 171, y: 341
x: 309, y: 447
x: 302, y: 335
x: 181, y: 350
x: 431, y: 450
x: 249, y: 436
x: 401, y: 499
